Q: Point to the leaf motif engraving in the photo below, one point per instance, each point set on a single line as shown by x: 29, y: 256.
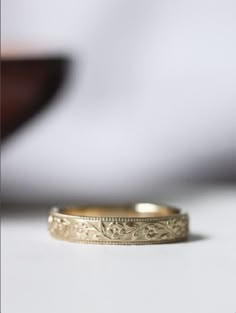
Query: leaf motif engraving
x: 118, y: 230
x: 61, y: 226
x: 152, y: 231
x: 124, y: 231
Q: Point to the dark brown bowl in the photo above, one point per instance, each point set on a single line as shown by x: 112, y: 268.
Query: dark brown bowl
x: 28, y: 85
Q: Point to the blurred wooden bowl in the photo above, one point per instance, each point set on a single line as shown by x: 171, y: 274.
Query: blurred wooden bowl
x: 28, y: 83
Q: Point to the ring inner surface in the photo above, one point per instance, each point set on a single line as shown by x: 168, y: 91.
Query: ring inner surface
x: 137, y: 210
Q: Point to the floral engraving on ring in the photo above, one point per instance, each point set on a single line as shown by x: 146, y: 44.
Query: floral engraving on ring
x: 83, y: 230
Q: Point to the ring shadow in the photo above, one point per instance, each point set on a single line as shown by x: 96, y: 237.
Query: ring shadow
x: 193, y: 237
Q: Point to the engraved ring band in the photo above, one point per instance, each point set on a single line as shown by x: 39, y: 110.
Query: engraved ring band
x: 138, y: 224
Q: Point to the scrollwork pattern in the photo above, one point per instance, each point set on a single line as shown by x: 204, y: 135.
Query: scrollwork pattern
x: 133, y: 231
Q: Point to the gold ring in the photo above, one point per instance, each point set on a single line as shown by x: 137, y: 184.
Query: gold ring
x: 142, y: 223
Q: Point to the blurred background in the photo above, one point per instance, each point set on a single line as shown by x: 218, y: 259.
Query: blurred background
x: 116, y: 100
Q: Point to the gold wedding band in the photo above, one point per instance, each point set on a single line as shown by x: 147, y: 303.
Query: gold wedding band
x: 142, y: 223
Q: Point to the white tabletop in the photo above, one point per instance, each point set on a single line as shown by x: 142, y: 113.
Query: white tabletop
x: 40, y: 274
